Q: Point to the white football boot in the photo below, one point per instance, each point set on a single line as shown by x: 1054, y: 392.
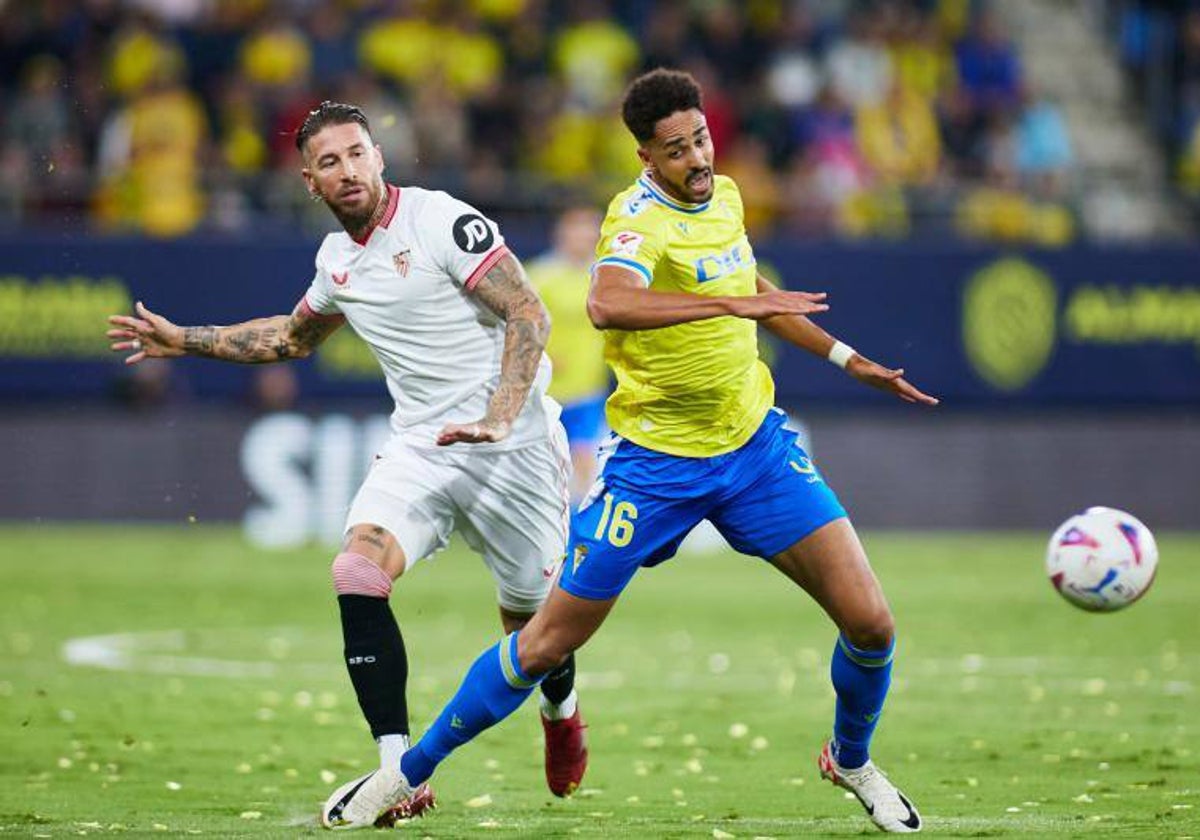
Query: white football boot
x: 887, y: 807
x: 362, y: 802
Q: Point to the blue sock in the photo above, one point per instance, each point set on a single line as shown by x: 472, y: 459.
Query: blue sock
x: 494, y: 688
x: 861, y: 679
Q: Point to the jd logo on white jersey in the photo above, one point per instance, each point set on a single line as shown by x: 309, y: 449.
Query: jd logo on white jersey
x: 472, y: 234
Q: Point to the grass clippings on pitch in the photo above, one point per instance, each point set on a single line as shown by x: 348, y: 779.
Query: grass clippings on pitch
x: 208, y: 697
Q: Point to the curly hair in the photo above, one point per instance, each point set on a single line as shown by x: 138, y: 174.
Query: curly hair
x: 329, y: 113
x: 655, y: 95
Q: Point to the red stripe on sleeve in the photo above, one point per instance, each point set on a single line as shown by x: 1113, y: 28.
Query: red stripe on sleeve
x: 320, y: 316
x: 490, y: 260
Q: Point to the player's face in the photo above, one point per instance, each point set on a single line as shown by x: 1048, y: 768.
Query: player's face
x: 345, y: 169
x: 680, y: 156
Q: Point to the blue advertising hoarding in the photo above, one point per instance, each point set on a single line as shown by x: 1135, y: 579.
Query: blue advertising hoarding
x: 976, y: 326
x: 982, y: 326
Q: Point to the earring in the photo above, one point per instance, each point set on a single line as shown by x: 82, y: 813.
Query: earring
x: 314, y: 195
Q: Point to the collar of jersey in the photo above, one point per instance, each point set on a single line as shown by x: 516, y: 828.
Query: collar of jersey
x: 662, y: 198
x: 388, y: 215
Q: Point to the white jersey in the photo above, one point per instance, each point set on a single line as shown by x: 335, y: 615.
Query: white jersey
x: 405, y: 288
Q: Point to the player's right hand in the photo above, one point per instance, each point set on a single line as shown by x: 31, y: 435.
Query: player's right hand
x: 147, y: 336
x: 487, y: 430
x: 777, y: 302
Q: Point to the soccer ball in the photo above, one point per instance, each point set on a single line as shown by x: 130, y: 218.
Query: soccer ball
x: 1102, y: 559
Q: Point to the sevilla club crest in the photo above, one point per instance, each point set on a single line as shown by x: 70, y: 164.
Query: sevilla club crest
x: 401, y: 262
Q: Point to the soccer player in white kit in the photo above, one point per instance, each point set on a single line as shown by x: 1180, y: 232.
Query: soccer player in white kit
x: 476, y: 446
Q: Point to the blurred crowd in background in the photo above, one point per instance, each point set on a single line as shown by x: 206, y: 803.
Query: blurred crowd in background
x: 1159, y: 44
x: 877, y: 119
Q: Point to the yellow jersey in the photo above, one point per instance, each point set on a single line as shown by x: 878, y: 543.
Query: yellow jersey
x: 575, y: 348
x: 696, y: 389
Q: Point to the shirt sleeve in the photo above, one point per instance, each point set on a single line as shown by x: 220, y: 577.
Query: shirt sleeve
x: 630, y: 240
x: 462, y: 241
x: 319, y: 300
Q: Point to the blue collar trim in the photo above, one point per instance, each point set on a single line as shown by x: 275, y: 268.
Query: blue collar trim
x: 662, y: 198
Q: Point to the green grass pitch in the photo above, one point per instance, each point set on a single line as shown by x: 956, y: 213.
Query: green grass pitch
x: 215, y: 703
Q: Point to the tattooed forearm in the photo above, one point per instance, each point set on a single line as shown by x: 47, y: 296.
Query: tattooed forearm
x: 243, y: 342
x: 257, y: 342
x: 506, y: 291
x: 252, y: 344
x: 524, y: 341
x: 307, y: 334
x: 199, y: 340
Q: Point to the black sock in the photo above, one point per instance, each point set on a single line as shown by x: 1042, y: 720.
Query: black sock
x: 558, y: 683
x: 377, y: 662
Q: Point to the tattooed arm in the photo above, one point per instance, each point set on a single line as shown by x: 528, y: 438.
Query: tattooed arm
x: 273, y: 339
x: 506, y: 291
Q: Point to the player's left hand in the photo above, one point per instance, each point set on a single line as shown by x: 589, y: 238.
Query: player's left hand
x: 482, y: 431
x: 148, y: 336
x: 886, y: 379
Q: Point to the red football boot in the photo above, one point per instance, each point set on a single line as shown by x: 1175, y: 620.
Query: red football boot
x: 417, y: 805
x: 566, y: 753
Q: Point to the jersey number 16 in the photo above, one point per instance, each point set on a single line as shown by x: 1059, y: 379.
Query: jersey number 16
x: 618, y: 519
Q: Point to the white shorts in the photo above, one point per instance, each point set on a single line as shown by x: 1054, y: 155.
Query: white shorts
x: 511, y: 507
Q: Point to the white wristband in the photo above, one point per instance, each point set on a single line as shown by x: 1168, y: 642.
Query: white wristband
x: 840, y: 354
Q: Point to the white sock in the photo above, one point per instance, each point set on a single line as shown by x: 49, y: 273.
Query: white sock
x: 561, y: 711
x: 391, y: 747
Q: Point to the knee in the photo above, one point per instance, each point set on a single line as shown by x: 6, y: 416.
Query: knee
x: 540, y: 653
x: 874, y: 631
x: 354, y: 574
x: 376, y: 544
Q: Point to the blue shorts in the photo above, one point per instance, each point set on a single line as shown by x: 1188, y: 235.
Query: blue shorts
x: 763, y: 498
x: 584, y: 420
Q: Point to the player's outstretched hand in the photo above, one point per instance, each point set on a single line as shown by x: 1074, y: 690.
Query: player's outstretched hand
x: 481, y: 431
x: 778, y: 302
x: 885, y: 379
x: 147, y: 336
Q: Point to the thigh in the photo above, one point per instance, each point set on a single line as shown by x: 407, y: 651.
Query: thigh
x: 777, y: 496
x: 513, y: 511
x: 562, y: 626
x: 405, y: 493
x: 619, y: 529
x: 831, y: 565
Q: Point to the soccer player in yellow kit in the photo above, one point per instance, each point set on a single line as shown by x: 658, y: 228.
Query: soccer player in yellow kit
x: 697, y: 436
